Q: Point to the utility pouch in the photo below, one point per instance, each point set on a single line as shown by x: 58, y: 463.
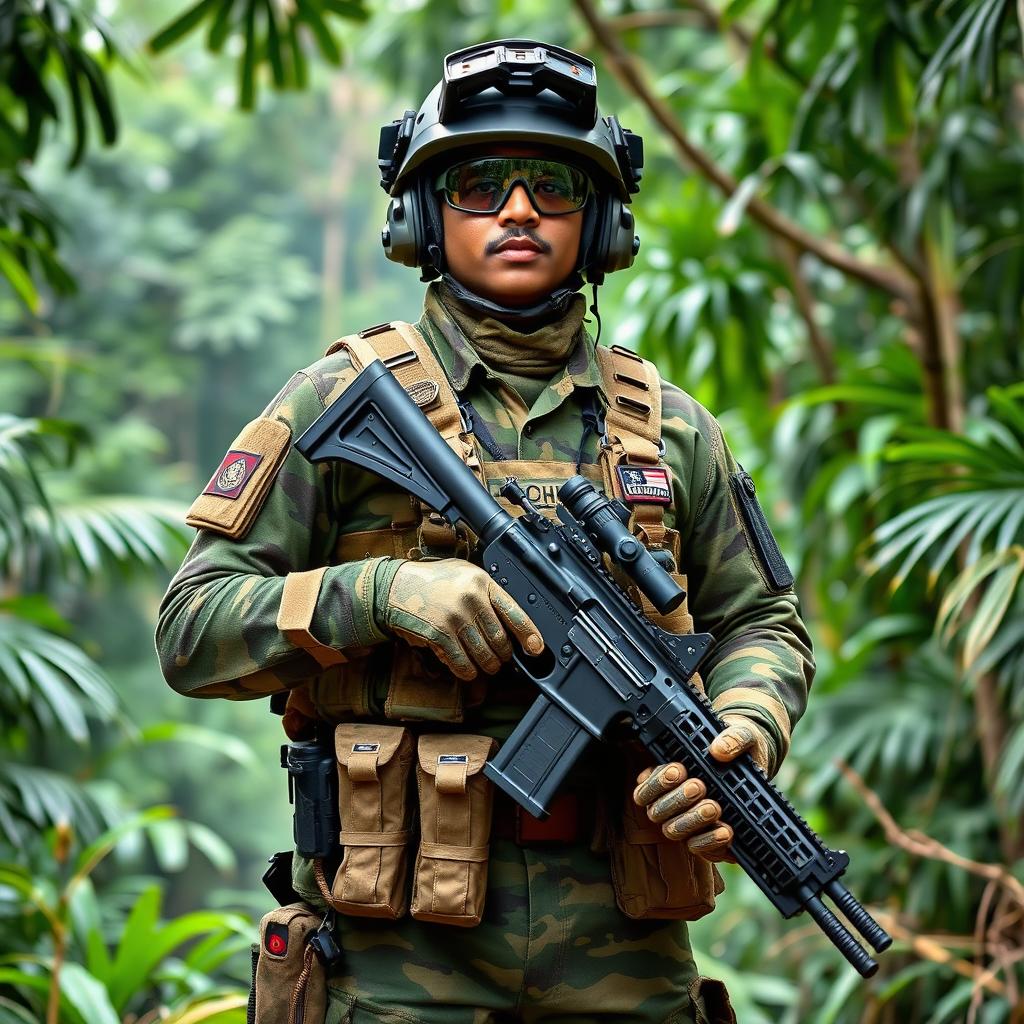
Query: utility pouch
x: 456, y: 801
x: 290, y: 984
x: 376, y: 816
x: 654, y: 876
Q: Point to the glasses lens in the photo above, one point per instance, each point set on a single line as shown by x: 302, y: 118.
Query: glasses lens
x: 481, y: 186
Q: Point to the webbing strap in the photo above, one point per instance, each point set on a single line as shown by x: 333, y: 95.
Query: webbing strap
x: 633, y: 419
x: 632, y: 431
x: 406, y: 354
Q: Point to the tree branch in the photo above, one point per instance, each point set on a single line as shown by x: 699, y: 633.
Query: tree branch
x: 921, y: 845
x: 626, y: 68
x: 930, y: 950
x: 821, y: 348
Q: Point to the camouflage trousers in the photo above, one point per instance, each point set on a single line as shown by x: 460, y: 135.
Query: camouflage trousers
x: 552, y: 947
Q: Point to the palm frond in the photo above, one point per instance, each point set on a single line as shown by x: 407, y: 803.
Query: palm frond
x: 88, y: 538
x: 50, y: 682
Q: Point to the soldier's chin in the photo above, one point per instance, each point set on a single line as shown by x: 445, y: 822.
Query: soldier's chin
x: 521, y: 289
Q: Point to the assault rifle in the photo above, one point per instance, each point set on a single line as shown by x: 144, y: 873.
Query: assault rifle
x: 605, y: 666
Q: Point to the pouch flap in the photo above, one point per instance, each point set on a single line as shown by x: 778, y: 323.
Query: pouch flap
x: 454, y: 757
x: 362, y: 747
x: 285, y: 925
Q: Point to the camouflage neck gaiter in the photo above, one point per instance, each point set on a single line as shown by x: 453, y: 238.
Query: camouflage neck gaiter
x: 538, y: 353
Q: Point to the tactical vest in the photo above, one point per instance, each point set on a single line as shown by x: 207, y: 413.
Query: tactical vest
x: 653, y: 877
x: 632, y: 439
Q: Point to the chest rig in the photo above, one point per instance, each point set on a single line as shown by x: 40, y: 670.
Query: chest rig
x: 630, y: 444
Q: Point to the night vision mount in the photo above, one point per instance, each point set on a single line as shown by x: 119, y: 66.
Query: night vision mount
x: 516, y: 68
x: 519, y: 67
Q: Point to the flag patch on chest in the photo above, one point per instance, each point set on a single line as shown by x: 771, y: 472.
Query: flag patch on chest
x: 234, y: 472
x: 643, y: 485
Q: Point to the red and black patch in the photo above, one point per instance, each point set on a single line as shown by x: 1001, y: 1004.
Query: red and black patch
x: 645, y: 485
x: 276, y: 939
x: 234, y: 472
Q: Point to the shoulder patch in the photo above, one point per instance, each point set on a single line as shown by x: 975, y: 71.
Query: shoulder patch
x: 240, y: 484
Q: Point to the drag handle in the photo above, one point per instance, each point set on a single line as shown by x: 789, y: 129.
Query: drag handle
x: 857, y: 916
x: 840, y: 937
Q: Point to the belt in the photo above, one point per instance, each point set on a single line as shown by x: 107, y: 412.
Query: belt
x: 571, y: 820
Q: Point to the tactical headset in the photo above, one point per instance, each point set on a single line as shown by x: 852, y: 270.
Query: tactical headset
x: 510, y: 91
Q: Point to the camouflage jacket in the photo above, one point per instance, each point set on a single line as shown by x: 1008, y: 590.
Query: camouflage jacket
x: 217, y: 634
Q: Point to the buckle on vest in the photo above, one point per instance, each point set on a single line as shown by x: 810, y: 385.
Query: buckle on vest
x: 606, y: 442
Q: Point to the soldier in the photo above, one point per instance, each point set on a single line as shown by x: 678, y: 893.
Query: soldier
x: 507, y: 189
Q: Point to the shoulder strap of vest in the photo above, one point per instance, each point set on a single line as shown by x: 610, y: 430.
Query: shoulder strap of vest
x: 405, y: 352
x: 633, y: 433
x: 633, y: 386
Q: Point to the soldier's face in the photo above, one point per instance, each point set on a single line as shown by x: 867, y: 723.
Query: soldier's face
x: 516, y: 256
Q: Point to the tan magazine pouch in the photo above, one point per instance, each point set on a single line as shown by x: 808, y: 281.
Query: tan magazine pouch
x: 376, y: 817
x: 653, y: 876
x: 290, y: 986
x: 456, y: 801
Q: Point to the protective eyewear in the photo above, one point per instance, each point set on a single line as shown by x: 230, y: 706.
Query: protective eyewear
x: 483, y: 186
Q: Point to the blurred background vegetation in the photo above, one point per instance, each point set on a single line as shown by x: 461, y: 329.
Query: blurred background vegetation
x: 831, y: 218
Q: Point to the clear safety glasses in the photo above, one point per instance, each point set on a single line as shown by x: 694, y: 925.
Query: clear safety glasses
x: 484, y: 185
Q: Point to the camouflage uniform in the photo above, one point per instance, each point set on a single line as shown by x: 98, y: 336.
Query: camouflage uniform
x: 552, y: 946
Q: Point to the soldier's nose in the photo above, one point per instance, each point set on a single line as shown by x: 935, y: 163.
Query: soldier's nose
x: 518, y: 209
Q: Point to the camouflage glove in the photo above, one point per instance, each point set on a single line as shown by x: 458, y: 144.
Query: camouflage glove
x: 459, y: 612
x: 676, y: 802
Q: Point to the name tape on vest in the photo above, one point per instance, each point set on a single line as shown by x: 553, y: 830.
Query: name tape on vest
x: 645, y: 485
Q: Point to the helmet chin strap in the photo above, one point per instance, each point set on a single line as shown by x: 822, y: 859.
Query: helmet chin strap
x: 551, y: 308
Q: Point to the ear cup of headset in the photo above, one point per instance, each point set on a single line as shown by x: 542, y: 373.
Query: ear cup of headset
x: 614, y: 245
x: 403, y: 237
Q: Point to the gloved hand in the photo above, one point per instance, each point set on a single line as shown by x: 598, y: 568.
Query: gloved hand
x: 677, y: 803
x: 459, y: 612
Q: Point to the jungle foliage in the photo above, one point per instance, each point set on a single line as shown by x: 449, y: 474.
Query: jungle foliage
x: 832, y: 262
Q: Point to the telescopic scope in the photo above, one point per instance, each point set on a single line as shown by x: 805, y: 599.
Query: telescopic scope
x: 602, y: 519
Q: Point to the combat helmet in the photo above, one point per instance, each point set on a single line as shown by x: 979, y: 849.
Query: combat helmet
x: 511, y: 90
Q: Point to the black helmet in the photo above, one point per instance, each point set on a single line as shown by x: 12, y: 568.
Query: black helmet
x: 511, y: 90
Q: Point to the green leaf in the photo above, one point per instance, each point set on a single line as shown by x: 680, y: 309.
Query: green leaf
x: 330, y: 50
x: 100, y: 847
x: 732, y: 213
x: 87, y: 995
x: 230, y: 747
x: 102, y: 100
x: 274, y: 47
x: 182, y: 25
x: 19, y: 279
x: 962, y: 588
x: 14, y: 1013
x: 220, y: 26
x: 145, y: 943
x: 247, y: 66
x: 999, y: 593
